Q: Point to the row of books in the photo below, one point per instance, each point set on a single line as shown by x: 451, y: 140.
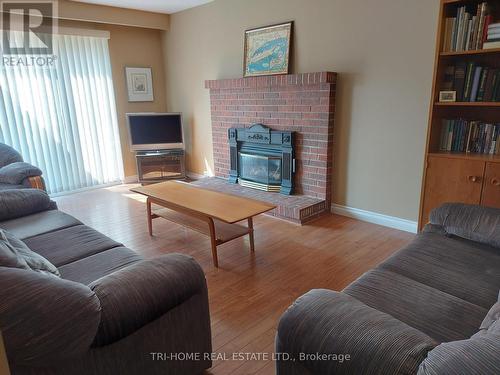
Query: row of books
x: 468, y: 30
x: 472, y: 82
x: 493, y: 37
x: 478, y: 137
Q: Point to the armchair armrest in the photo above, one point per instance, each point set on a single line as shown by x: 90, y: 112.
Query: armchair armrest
x: 136, y: 295
x: 44, y: 319
x: 476, y: 223
x: 35, y: 182
x: 21, y: 202
x: 15, y: 173
x: 333, y: 323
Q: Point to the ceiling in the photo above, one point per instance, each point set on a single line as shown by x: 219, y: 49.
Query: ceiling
x: 158, y: 6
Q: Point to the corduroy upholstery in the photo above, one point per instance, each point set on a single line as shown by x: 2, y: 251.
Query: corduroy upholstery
x: 109, y: 310
x: 419, y: 311
x: 14, y: 172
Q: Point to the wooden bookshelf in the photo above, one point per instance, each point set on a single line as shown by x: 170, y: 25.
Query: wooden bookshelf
x: 459, y: 176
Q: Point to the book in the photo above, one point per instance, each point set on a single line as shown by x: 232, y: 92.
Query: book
x: 482, y: 84
x: 469, y: 78
x: 448, y: 79
x: 496, y: 88
x: 487, y: 22
x: 482, y: 19
x: 449, y: 25
x: 475, y: 83
x: 491, y: 45
x: 490, y: 83
x: 460, y: 135
x: 459, y: 80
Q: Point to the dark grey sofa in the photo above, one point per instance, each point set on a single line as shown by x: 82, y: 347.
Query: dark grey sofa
x: 15, y: 173
x: 432, y: 308
x: 107, y: 312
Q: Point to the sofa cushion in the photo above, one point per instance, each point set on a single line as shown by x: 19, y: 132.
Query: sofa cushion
x: 89, y: 269
x: 476, y: 223
x: 39, y: 223
x: 15, y: 173
x: 462, y: 268
x: 438, y: 314
x: 70, y: 244
x: 21, y: 202
x: 26, y: 259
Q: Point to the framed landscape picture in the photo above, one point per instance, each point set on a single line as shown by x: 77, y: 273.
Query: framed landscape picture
x: 267, y: 50
x: 139, y: 84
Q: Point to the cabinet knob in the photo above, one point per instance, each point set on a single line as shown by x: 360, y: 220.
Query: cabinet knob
x: 473, y: 178
x: 495, y: 182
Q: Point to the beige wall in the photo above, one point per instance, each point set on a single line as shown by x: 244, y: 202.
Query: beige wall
x: 383, y: 51
x: 129, y: 46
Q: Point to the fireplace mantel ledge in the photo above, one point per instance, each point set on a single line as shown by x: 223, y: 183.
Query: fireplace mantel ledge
x: 276, y: 80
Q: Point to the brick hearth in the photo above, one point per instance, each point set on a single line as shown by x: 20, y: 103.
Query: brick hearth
x: 303, y: 103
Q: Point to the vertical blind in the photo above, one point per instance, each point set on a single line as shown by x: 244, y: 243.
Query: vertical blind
x: 63, y: 118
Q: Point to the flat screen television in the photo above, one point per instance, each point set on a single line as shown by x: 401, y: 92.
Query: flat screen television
x: 155, y: 131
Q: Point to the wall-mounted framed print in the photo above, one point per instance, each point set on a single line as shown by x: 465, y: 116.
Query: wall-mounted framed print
x: 267, y: 50
x: 139, y: 84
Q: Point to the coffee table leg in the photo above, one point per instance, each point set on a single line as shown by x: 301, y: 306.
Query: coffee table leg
x: 213, y: 240
x: 250, y: 234
x: 150, y: 217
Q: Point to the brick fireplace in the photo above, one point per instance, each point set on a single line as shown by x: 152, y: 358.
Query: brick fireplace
x: 299, y: 103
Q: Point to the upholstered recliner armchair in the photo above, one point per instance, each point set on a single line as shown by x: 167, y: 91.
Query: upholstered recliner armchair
x: 15, y: 173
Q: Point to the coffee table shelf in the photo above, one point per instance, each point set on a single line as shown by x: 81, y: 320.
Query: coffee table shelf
x: 224, y: 232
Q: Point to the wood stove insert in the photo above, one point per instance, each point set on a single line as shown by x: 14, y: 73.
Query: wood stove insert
x: 262, y: 158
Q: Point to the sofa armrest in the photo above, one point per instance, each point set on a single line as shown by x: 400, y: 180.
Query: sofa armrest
x: 35, y: 182
x: 22, y: 202
x: 136, y: 295
x: 15, y: 173
x: 330, y: 323
x: 476, y: 223
x: 45, y: 319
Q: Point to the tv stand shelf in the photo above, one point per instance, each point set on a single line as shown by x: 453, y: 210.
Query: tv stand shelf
x: 160, y: 165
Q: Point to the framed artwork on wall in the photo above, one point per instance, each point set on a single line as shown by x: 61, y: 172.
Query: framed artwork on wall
x: 267, y: 50
x: 139, y: 84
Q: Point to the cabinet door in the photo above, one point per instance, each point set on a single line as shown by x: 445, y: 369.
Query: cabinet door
x: 451, y: 180
x: 491, y: 186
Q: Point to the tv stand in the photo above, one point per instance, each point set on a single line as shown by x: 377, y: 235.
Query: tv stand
x: 160, y: 165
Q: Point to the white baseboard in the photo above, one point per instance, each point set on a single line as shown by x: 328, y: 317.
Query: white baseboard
x: 375, y: 218
x: 130, y: 179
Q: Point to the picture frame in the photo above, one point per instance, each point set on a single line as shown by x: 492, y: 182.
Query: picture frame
x: 139, y: 84
x: 447, y: 96
x: 267, y: 50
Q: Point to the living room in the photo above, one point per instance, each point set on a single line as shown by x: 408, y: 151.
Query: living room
x: 250, y: 187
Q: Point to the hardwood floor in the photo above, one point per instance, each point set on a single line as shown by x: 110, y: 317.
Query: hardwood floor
x: 249, y: 292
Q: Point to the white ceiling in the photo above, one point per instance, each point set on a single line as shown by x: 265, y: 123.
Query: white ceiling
x: 158, y: 6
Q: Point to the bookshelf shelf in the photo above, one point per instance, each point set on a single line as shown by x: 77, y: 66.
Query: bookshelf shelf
x: 467, y: 104
x: 466, y: 156
x: 471, y: 52
x: 462, y: 176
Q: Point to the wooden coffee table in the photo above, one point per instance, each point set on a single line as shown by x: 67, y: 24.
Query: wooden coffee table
x: 209, y: 212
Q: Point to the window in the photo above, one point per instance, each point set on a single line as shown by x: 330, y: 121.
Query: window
x: 63, y: 118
